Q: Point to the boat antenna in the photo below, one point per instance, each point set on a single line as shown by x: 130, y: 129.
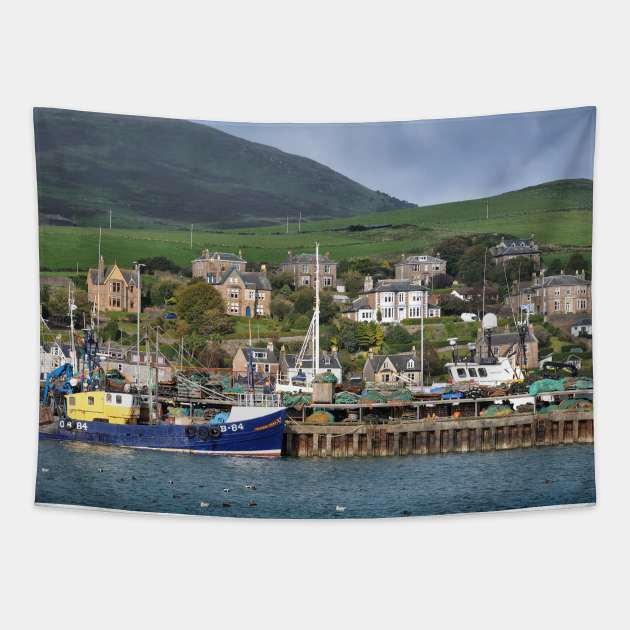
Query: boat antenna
x: 98, y: 281
x: 71, y: 309
x: 316, y: 315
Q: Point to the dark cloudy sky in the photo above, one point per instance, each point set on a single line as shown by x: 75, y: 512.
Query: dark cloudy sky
x: 431, y: 161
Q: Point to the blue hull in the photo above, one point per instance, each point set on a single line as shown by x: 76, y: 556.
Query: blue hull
x: 259, y: 436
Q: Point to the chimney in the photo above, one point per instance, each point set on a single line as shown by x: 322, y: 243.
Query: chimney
x: 270, y: 346
x: 562, y: 272
x: 368, y: 283
x: 413, y: 349
x: 263, y: 268
x: 370, y: 353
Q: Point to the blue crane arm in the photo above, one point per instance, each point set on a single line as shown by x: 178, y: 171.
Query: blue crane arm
x: 64, y: 370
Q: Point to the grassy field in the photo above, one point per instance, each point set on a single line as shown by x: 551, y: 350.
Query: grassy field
x: 555, y: 217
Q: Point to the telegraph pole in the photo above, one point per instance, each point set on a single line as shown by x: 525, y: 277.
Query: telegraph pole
x: 191, y: 235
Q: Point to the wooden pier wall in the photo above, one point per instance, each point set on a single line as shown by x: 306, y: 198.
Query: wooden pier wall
x: 429, y: 437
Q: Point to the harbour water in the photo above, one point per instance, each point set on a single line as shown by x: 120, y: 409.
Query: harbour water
x: 367, y: 487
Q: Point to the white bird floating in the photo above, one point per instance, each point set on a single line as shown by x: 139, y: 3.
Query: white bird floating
x: 171, y: 482
x: 250, y: 486
x: 203, y: 504
x: 340, y: 508
x: 226, y: 489
x: 44, y: 470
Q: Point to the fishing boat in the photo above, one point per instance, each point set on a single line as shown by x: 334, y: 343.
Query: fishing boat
x: 90, y: 418
x: 85, y: 410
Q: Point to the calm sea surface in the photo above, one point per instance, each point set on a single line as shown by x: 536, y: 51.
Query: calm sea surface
x: 127, y: 479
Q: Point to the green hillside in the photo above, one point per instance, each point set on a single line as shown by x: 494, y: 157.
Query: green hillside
x: 165, y: 172
x: 559, y: 214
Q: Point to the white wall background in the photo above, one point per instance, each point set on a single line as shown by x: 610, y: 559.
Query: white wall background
x: 315, y: 61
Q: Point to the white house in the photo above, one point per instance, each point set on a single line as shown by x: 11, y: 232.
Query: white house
x: 582, y: 328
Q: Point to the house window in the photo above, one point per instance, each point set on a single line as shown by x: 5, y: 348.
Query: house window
x: 328, y: 281
x: 388, y: 298
x: 234, y: 293
x: 326, y: 268
x: 410, y: 364
x: 260, y: 295
x: 252, y: 295
x: 260, y: 355
x: 556, y: 305
x: 260, y: 309
x: 386, y: 378
x: 115, y: 287
x: 267, y: 368
x: 401, y: 298
x: 306, y: 280
x: 233, y: 308
x: 304, y: 268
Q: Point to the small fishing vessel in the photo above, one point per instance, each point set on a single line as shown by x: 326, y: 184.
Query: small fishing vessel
x: 85, y: 410
x: 248, y: 431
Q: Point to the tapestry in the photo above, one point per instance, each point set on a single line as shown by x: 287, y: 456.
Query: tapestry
x: 348, y: 320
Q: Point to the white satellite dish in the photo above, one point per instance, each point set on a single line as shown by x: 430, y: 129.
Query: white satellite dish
x: 489, y: 321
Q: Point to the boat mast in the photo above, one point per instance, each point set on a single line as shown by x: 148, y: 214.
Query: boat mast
x: 315, y: 354
x: 424, y: 302
x: 98, y: 282
x: 147, y: 361
x: 71, y: 307
x: 138, y: 305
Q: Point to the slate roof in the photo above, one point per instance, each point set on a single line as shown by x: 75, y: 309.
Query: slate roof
x: 206, y: 255
x: 510, y: 339
x: 515, y: 247
x: 251, y: 279
x: 565, y: 281
x: 396, y: 286
x: 128, y: 274
x: 271, y: 355
x: 308, y: 259
x: 307, y: 362
x: 586, y: 321
x: 417, y: 259
x: 398, y: 360
x: 357, y: 304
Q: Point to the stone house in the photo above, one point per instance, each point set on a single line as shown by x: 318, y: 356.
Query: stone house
x: 112, y: 288
x: 396, y: 300
x: 302, y: 267
x: 556, y: 295
x: 265, y: 362
x: 245, y: 293
x: 508, y: 249
x: 506, y: 345
x: 582, y: 328
x: 328, y: 362
x: 212, y: 266
x: 403, y: 368
x: 113, y: 356
x: 423, y: 269
x: 52, y: 355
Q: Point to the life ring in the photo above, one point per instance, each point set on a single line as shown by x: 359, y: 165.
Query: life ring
x: 215, y: 432
x: 203, y: 433
x: 191, y: 431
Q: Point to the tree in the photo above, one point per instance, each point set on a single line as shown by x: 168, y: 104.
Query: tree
x: 577, y: 262
x: 195, y: 301
x: 111, y: 331
x: 280, y: 308
x: 347, y: 336
x: 471, y: 265
x: 159, y: 263
x: 398, y: 339
x: 304, y: 300
x: 452, y: 305
x: 162, y: 291
x: 327, y: 308
x: 279, y: 280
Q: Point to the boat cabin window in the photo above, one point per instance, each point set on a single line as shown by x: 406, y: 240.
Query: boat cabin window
x: 108, y: 398
x: 483, y: 372
x: 90, y: 400
x: 472, y: 372
x: 118, y: 399
x: 71, y: 401
x: 461, y: 372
